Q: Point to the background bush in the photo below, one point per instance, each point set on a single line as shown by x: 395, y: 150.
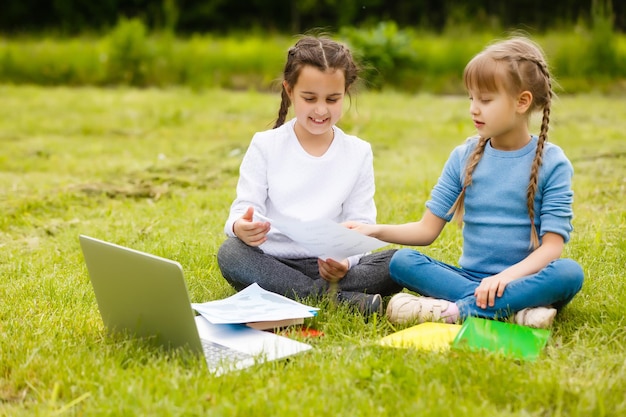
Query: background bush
x: 393, y: 58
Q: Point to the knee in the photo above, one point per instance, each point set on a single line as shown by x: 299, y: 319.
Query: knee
x: 229, y: 262
x: 380, y: 259
x: 224, y: 252
x: 398, y: 260
x: 402, y: 261
x: 228, y: 252
x: 571, y: 273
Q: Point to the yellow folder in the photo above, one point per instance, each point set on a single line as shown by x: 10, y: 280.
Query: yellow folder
x: 426, y: 336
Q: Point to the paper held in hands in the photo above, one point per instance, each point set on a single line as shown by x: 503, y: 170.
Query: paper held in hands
x: 252, y: 305
x: 324, y: 238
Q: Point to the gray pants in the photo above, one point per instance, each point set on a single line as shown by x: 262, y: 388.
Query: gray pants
x: 242, y: 265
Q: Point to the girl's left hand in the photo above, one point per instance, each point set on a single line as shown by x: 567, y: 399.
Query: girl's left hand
x: 489, y: 289
x: 331, y: 270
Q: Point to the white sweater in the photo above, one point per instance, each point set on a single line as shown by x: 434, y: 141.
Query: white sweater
x: 280, y: 179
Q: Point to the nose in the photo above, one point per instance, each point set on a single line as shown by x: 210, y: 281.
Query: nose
x: 320, y: 110
x: 473, y: 109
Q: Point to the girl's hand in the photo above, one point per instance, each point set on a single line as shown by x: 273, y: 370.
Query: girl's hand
x: 551, y: 248
x: 250, y: 232
x: 364, y: 229
x: 333, y: 271
x: 489, y: 289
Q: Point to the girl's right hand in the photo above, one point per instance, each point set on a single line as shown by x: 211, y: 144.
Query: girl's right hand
x: 363, y: 228
x: 251, y: 232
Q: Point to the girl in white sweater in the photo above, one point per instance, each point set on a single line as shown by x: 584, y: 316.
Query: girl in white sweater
x: 307, y: 169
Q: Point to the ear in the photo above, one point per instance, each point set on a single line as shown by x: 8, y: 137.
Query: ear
x: 287, y: 88
x: 524, y: 101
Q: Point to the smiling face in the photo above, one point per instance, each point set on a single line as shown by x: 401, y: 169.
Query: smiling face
x: 317, y: 99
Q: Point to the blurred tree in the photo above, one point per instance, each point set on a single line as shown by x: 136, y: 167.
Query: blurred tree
x: 294, y: 16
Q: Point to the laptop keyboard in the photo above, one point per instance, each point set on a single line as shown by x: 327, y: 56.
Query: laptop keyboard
x: 216, y: 353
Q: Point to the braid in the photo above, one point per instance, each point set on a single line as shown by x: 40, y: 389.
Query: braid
x: 543, y: 137
x: 534, y: 175
x: 458, y: 207
x: 284, y: 108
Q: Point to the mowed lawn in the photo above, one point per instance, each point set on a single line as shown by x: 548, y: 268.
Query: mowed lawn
x: 156, y: 170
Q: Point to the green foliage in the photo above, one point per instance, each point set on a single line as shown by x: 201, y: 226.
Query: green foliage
x: 50, y: 62
x: 594, y: 58
x: 130, y: 55
x: 171, y: 14
x: 393, y: 58
x: 601, y: 48
x: 383, y: 50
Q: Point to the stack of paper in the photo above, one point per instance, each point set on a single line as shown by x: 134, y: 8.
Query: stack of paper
x: 256, y: 307
x: 324, y: 238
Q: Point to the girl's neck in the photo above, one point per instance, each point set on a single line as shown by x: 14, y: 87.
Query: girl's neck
x: 314, y: 145
x: 511, y: 141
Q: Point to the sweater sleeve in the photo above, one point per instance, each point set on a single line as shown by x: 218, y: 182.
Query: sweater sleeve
x: 449, y: 184
x: 556, y: 194
x: 360, y: 205
x: 251, y: 186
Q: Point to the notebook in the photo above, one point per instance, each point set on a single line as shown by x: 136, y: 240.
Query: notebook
x: 426, y: 336
x: 146, y: 296
x: 509, y: 339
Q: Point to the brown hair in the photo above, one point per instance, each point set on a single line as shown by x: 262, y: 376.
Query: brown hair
x: 517, y: 64
x: 322, y: 53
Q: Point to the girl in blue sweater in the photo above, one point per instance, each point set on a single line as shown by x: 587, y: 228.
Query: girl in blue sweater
x: 512, y: 193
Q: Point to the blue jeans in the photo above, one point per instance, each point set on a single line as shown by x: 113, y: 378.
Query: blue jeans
x: 242, y: 265
x: 555, y: 285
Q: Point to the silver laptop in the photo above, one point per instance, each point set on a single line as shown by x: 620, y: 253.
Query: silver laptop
x: 146, y: 296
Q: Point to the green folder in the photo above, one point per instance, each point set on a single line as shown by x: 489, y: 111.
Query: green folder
x: 510, y: 339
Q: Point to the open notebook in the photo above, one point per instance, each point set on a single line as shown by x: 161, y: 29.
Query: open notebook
x: 146, y: 296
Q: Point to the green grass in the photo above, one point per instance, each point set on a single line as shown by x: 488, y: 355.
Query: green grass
x: 156, y: 170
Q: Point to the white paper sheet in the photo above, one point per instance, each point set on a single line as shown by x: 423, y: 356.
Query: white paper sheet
x: 253, y: 304
x: 325, y: 238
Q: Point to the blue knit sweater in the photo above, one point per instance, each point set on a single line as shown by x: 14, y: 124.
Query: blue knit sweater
x: 496, y: 231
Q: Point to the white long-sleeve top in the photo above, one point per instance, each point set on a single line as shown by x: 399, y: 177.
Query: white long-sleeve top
x: 280, y: 179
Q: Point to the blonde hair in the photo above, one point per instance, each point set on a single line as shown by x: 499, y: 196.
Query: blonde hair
x: 517, y: 64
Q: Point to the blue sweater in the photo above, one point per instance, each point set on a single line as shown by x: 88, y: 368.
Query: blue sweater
x: 496, y: 231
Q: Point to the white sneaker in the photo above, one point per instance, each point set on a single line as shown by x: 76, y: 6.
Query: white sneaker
x: 538, y: 317
x: 404, y: 308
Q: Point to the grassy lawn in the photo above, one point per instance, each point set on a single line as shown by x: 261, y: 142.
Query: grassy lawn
x: 155, y: 170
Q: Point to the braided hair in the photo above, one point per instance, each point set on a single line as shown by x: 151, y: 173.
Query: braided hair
x: 518, y: 64
x: 319, y: 52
